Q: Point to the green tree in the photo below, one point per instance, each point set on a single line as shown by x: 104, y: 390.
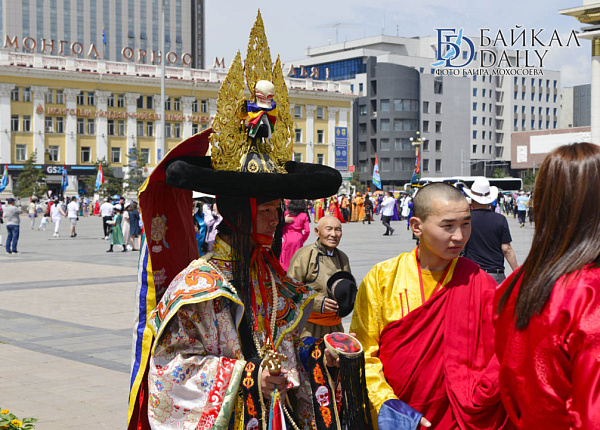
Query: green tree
x: 31, y: 181
x: 111, y: 186
x: 135, y: 177
x: 360, y: 187
x: 499, y: 173
x: 529, y: 179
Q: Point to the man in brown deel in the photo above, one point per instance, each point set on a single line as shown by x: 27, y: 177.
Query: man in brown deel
x: 313, y: 265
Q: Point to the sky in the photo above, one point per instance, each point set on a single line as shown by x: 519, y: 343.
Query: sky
x: 291, y: 27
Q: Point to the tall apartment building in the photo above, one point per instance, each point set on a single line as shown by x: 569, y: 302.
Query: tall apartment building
x: 470, y: 121
x: 118, y: 30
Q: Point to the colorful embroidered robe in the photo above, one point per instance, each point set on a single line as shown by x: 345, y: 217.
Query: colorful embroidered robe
x: 197, y: 364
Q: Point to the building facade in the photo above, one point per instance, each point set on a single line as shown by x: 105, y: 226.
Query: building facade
x: 490, y: 107
x: 114, y: 30
x: 73, y: 112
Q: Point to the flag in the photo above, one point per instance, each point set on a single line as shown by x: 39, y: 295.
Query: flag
x: 376, y: 178
x: 5, y: 179
x: 99, y: 177
x: 103, y: 36
x: 65, y: 178
x: 417, y: 172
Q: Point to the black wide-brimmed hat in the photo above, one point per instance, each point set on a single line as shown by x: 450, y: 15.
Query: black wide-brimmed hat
x: 341, y: 287
x: 251, y: 139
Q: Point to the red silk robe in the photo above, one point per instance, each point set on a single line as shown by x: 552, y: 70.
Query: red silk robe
x: 550, y: 371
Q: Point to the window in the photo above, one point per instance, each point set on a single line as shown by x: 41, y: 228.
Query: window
x: 474, y: 134
x: 360, y: 88
x: 362, y: 109
x: 177, y: 130
x: 14, y: 94
x: 385, y: 125
x: 26, y: 122
x: 408, y: 105
x: 425, y: 126
x: 168, y: 129
x: 297, y: 157
x: 384, y: 144
x: 474, y: 149
x: 195, y: 106
x: 362, y: 128
x: 438, y: 163
x: 483, y: 134
x: 362, y: 146
x: 401, y: 144
x: 195, y: 128
x: 483, y: 107
x: 48, y: 97
x: 474, y: 106
x: 177, y: 104
x: 438, y: 146
x: 60, y: 124
x: 60, y: 97
x: 140, y: 128
x: 91, y: 99
x: 425, y: 107
x: 91, y: 126
x: 49, y: 124
x: 483, y: 149
x: 140, y: 102
x: 145, y: 155
x: 385, y: 164
x: 482, y: 120
x: 425, y: 145
x: 483, y: 92
x: 21, y: 152
x: 80, y: 126
x: 121, y: 100
x: 14, y: 123
x: 490, y: 149
x: 516, y: 108
x: 110, y: 101
x: 426, y: 165
x: 121, y: 127
x: 86, y: 154
x: 320, y: 113
x: 80, y: 98
x: 474, y: 120
x: 438, y: 107
x: 53, y: 153
x: 111, y: 127
x: 319, y: 136
x: 385, y: 105
x: 298, y: 135
x: 115, y: 155
x: 168, y: 103
x: 438, y: 126
x: 438, y: 87
x: 474, y: 92
x: 204, y: 107
x: 27, y: 94
x: 320, y: 159
x: 149, y: 129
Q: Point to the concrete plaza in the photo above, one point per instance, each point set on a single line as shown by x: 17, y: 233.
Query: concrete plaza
x: 66, y: 315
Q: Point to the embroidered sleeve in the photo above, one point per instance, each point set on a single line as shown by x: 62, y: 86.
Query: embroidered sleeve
x: 195, y: 370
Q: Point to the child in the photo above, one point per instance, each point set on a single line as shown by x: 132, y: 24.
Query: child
x: 116, y: 235
x: 42, y: 225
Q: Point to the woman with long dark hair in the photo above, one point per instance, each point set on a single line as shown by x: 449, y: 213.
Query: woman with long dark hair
x: 295, y: 232
x: 548, y: 322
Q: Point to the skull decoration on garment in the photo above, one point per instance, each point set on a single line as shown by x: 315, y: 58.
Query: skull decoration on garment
x: 264, y: 92
x: 252, y: 424
x: 322, y: 394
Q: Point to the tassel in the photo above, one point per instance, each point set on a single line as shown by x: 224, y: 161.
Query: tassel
x: 355, y: 414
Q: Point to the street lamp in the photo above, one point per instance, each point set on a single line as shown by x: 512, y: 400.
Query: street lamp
x: 417, y: 144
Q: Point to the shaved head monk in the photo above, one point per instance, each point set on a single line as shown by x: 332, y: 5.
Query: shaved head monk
x: 424, y: 319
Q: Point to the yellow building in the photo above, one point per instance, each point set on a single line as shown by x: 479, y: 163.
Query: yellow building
x: 72, y: 112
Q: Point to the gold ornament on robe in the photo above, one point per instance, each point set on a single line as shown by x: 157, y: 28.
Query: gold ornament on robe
x: 232, y: 148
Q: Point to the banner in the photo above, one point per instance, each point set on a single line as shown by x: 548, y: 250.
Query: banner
x: 341, y: 148
x: 99, y: 177
x: 65, y: 179
x: 376, y: 178
x: 5, y: 179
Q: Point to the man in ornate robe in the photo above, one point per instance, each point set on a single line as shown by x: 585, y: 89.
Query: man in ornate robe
x: 425, y: 321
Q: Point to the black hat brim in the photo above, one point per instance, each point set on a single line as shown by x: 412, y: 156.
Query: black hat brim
x: 303, y: 180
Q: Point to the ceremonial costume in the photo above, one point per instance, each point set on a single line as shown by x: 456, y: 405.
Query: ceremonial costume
x: 294, y: 236
x: 209, y: 328
x: 550, y: 371
x: 430, y: 343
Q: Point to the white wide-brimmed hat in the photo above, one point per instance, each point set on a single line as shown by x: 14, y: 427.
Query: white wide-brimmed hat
x: 481, y: 192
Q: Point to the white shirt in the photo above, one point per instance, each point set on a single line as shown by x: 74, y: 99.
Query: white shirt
x: 55, y: 212
x: 106, y: 209
x: 388, y: 206
x: 72, y: 209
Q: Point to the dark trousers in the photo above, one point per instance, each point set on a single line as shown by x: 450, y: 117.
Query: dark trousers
x: 345, y: 214
x: 521, y: 215
x: 385, y: 220
x: 105, y: 226
x: 13, y: 237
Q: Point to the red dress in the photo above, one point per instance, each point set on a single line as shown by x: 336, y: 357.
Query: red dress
x: 294, y: 236
x: 550, y: 372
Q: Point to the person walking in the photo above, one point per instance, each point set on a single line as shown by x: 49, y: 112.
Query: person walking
x: 521, y: 203
x: 106, y: 212
x: 368, y: 209
x: 548, y: 312
x: 387, y: 212
x: 295, y: 231
x: 116, y: 235
x: 13, y: 221
x: 56, y: 213
x: 126, y: 226
x: 32, y: 212
x: 72, y: 214
x: 135, y: 230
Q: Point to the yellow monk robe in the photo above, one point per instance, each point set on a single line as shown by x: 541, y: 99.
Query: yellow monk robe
x: 390, y: 291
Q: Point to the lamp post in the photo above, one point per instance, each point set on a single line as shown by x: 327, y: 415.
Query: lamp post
x: 417, y: 142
